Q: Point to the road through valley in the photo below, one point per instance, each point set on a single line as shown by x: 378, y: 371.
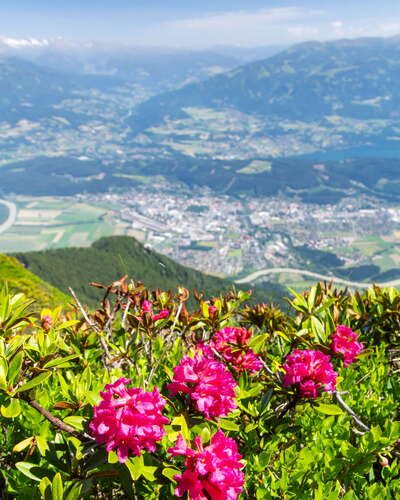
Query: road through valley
x: 12, y: 215
x: 322, y: 277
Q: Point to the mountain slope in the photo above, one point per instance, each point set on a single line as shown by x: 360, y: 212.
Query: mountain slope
x: 110, y: 258
x: 30, y: 91
x: 309, y: 97
x: 158, y: 69
x: 306, y: 82
x: 20, y: 279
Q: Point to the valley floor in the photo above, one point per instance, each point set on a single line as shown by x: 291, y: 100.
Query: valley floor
x: 244, y: 239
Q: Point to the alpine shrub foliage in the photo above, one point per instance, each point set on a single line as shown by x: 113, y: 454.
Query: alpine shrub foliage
x: 145, y: 399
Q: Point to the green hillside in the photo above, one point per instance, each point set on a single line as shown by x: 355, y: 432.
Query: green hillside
x: 110, y: 258
x: 18, y: 278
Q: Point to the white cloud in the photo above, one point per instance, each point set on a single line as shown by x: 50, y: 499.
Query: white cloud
x: 389, y: 29
x: 265, y: 26
x: 280, y: 26
x: 303, y: 32
x: 337, y: 24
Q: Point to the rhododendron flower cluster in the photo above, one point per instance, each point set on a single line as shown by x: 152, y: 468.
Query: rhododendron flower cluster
x: 311, y: 370
x: 147, y: 306
x: 211, y: 472
x: 208, y: 383
x: 344, y: 342
x: 128, y: 419
x: 232, y: 344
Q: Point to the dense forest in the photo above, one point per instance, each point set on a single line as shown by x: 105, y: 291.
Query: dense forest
x: 108, y: 259
x: 295, y: 177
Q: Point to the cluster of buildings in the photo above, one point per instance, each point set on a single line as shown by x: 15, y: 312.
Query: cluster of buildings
x: 229, y: 236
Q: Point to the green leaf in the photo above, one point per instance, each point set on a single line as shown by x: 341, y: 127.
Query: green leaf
x: 327, y: 409
x: 57, y: 488
x: 93, y: 397
x: 264, y: 458
x: 31, y: 470
x: 74, y: 492
x: 23, y: 444
x: 112, y: 457
x: 76, y: 421
x: 15, y: 367
x: 149, y: 472
x: 135, y: 466
x: 42, y: 444
x: 170, y: 473
x: 180, y: 422
x: 34, y: 382
x: 349, y: 496
x: 257, y: 342
x: 299, y: 302
x: 318, y: 329
x: 228, y: 425
x: 250, y: 427
x: 266, y: 399
x: 311, y: 297
x: 60, y: 361
x: 205, y: 435
x: 67, y: 324
x: 45, y: 487
x: 3, y: 373
x: 12, y: 410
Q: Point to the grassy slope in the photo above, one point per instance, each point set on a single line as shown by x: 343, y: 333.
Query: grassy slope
x: 19, y: 278
x: 110, y: 258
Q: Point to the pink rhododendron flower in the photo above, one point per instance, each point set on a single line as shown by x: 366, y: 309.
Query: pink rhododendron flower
x: 311, y: 370
x: 208, y: 383
x: 213, y: 472
x: 128, y: 419
x: 232, y: 344
x: 147, y: 306
x: 212, y: 310
x: 161, y: 315
x: 344, y: 342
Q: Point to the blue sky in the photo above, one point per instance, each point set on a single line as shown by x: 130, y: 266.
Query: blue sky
x: 199, y: 23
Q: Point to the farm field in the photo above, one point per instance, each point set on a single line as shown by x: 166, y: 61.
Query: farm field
x: 55, y: 222
x: 354, y: 250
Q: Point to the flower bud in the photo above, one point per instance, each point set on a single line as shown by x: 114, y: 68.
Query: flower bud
x: 47, y: 323
x: 383, y: 461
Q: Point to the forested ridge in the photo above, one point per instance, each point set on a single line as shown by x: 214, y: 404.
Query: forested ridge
x: 110, y: 258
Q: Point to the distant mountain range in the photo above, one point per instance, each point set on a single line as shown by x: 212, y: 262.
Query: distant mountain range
x: 345, y: 91
x: 340, y: 99
x: 158, y: 69
x: 31, y: 92
x: 36, y: 77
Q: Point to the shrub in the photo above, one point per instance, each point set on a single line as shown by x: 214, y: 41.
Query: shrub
x: 143, y: 398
